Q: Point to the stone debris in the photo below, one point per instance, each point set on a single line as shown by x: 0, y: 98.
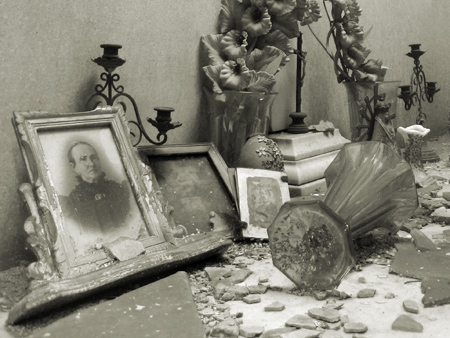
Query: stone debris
x: 332, y: 304
x: 390, y: 295
x: 328, y: 315
x: 263, y: 279
x: 275, y: 306
x: 250, y: 331
x: 406, y: 323
x: 355, y: 327
x: 441, y: 215
x: 228, y: 328
x: 411, y: 306
x: 436, y: 291
x: 366, y: 293
x: 301, y: 322
x: 421, y: 241
x: 320, y: 295
x: 257, y: 289
x: 243, y: 261
x: 276, y: 333
x: 362, y: 280
x: 125, y: 248
x: 252, y: 299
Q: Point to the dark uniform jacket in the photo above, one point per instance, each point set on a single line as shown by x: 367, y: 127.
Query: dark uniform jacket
x: 99, y: 207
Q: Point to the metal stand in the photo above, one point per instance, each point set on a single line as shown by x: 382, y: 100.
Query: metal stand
x: 110, y: 93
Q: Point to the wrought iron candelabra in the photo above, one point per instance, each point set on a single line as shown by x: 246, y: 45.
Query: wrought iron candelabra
x: 110, y: 93
x: 419, y: 88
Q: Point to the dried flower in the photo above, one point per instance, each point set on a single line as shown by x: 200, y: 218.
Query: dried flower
x: 253, y: 44
x: 350, y: 56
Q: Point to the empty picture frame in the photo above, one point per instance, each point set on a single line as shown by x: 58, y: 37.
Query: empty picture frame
x: 89, y: 188
x: 261, y: 195
x: 194, y: 180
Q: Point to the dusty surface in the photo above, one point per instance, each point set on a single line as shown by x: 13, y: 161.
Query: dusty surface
x: 375, y: 253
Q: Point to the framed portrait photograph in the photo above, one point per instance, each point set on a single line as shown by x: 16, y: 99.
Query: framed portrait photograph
x: 91, y: 191
x: 195, y: 182
x: 261, y: 195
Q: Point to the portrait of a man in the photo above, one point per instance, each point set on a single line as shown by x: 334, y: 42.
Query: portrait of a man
x: 96, y: 202
x: 96, y: 198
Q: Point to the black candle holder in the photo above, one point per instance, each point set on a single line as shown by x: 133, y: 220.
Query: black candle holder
x: 110, y: 93
x: 419, y: 90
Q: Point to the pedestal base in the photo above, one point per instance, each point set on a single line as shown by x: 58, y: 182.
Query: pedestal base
x: 306, y: 157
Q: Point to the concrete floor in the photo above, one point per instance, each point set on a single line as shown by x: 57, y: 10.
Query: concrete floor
x: 378, y: 313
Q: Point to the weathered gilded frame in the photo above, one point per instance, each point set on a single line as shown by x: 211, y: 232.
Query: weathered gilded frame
x: 61, y: 277
x: 202, y: 151
x: 46, y: 228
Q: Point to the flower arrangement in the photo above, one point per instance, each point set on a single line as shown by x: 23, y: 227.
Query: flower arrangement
x: 253, y: 44
x: 349, y: 59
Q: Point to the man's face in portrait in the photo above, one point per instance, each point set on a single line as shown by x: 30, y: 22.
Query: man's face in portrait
x: 87, y: 163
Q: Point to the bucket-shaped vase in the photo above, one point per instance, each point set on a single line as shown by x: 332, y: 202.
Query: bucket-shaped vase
x: 234, y: 116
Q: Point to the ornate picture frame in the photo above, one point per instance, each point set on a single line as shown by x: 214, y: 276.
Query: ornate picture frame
x: 72, y: 230
x: 261, y: 195
x: 80, y: 255
x: 194, y: 180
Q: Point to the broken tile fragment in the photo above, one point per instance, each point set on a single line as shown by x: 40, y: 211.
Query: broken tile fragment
x: 252, y: 299
x: 229, y: 328
x: 441, y: 215
x: 263, y: 279
x: 410, y: 306
x: 366, y: 293
x: 215, y: 273
x: 421, y: 241
x: 436, y: 291
x: 276, y: 333
x: 250, y: 331
x: 157, y: 305
x: 243, y: 261
x: 320, y: 294
x: 407, y: 323
x: 390, y: 295
x: 222, y: 307
x: 275, y: 306
x: 257, y: 289
x: 124, y: 248
x: 328, y: 315
x: 332, y: 304
x: 301, y: 322
x: 355, y: 327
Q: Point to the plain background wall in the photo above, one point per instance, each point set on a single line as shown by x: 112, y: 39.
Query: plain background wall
x: 45, y: 60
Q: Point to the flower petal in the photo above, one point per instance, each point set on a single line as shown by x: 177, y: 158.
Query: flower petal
x: 213, y: 77
x: 276, y: 39
x: 280, y: 7
x: 234, y: 44
x: 230, y: 15
x: 234, y: 75
x: 256, y: 21
x: 286, y: 24
x: 211, y: 46
x: 260, y: 59
x: 261, y: 82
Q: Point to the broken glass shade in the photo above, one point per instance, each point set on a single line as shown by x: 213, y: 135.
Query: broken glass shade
x: 311, y: 244
x: 370, y: 186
